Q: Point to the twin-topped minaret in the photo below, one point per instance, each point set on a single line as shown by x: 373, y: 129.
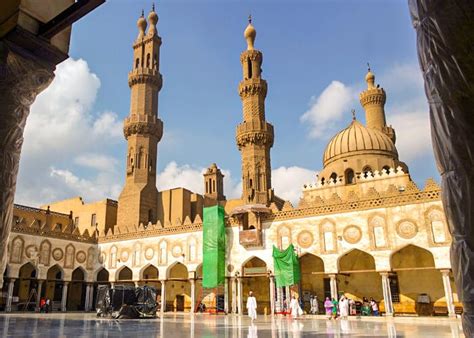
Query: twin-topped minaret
x: 138, y: 202
x: 254, y: 135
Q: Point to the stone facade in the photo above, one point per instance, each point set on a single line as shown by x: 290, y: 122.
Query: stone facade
x: 367, y: 231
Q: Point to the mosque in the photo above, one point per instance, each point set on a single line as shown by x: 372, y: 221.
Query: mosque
x: 362, y: 228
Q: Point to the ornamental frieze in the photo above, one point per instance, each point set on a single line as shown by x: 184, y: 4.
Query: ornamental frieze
x: 253, y: 55
x: 143, y: 128
x: 140, y: 78
x: 250, y: 88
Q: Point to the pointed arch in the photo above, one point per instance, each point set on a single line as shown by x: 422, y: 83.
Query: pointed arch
x: 356, y: 260
x: 69, y: 256
x: 124, y: 274
x: 28, y: 271
x: 55, y: 273
x: 17, y: 246
x: 102, y: 275
x: 177, y: 271
x: 149, y: 272
x: 79, y: 274
x: 411, y: 256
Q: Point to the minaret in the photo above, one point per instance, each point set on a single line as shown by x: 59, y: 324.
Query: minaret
x: 138, y: 202
x: 254, y: 136
x: 214, y: 183
x: 373, y: 101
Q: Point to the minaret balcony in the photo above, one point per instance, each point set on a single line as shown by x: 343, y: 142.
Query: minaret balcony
x: 254, y: 132
x: 251, y: 238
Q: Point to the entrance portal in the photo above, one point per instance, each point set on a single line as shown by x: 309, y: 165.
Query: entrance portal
x: 255, y: 279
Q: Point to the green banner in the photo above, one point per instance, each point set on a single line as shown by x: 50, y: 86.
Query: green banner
x: 213, y: 247
x: 287, y: 266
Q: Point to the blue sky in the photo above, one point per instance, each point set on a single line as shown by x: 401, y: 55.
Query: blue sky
x: 311, y: 48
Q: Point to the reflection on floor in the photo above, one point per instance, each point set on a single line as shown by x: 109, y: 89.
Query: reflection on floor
x: 231, y: 326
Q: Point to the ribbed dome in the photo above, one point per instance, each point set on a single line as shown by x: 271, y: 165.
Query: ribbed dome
x: 358, y: 138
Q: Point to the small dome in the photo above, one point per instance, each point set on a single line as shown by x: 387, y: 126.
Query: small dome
x: 358, y: 139
x: 141, y: 23
x: 153, y: 17
x: 250, y: 33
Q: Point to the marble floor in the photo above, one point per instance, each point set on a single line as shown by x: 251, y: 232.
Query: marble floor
x: 231, y: 326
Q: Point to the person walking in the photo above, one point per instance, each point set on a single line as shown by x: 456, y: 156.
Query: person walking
x: 343, y: 307
x: 252, y: 306
x: 48, y: 305
x: 335, y: 307
x: 365, y: 310
x: 295, y: 307
x: 328, y: 305
x: 352, y: 307
x: 374, y: 306
x: 314, y: 305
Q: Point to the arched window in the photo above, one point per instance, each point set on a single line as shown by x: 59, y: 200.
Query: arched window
x: 148, y: 60
x: 249, y: 68
x: 386, y: 169
x: 333, y: 177
x: 323, y: 180
x: 349, y: 176
x: 367, y: 171
x: 137, y: 62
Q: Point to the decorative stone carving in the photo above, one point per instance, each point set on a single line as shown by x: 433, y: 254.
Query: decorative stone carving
x: 149, y: 253
x: 69, y: 256
x: 45, y: 252
x: 230, y: 268
x: 177, y: 250
x: 305, y: 239
x: 58, y: 254
x: 406, y: 229
x: 31, y: 251
x: 17, y: 250
x: 81, y: 256
x: 352, y: 234
x: 124, y: 255
x: 90, y: 258
x: 102, y: 257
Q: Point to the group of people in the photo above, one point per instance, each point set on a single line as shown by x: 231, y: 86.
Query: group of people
x: 334, y: 308
x: 45, y: 305
x: 346, y: 306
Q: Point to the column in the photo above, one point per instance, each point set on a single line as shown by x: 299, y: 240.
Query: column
x: 239, y: 296
x: 234, y: 295
x: 87, y: 300
x: 387, y: 294
x: 11, y: 285
x: 163, y: 297
x: 333, y: 285
x: 226, y: 295
x: 272, y: 295
x: 64, y: 297
x: 448, y: 292
x: 38, y: 295
x: 91, y: 298
x: 22, y: 76
x: 193, y: 294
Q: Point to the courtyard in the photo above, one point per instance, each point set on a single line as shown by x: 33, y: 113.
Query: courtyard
x: 197, y: 326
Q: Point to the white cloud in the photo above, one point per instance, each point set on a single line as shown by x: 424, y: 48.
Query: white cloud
x: 185, y: 176
x: 62, y: 135
x: 288, y: 182
x: 326, y: 109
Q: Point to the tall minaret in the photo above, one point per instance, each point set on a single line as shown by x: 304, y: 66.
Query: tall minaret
x: 138, y: 202
x: 254, y: 136
x: 373, y: 101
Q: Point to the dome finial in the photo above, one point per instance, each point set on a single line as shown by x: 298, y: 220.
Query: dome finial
x: 353, y: 114
x: 250, y: 33
x: 370, y: 78
x: 141, y: 24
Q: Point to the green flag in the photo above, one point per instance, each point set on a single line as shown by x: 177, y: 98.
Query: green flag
x: 213, y: 247
x: 287, y: 266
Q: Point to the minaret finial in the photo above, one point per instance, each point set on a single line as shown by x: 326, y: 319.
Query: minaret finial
x: 250, y: 18
x: 353, y: 114
x: 143, y: 13
x: 250, y: 33
x: 153, y: 6
x: 368, y: 67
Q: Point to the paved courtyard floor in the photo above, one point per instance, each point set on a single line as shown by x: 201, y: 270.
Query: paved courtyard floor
x: 231, y: 326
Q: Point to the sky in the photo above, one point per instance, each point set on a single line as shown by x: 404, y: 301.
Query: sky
x: 315, y: 60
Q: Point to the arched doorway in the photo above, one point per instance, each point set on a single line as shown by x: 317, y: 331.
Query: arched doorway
x: 101, y: 279
x: 312, y: 279
x: 255, y: 279
x: 125, y: 276
x: 415, y: 275
x: 178, y: 289
x: 54, y: 286
x: 24, y: 286
x: 357, y: 277
x: 76, y: 298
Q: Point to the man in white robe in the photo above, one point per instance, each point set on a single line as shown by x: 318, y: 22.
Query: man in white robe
x: 343, y: 307
x: 252, y: 306
x: 295, y: 308
x: 314, y: 305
